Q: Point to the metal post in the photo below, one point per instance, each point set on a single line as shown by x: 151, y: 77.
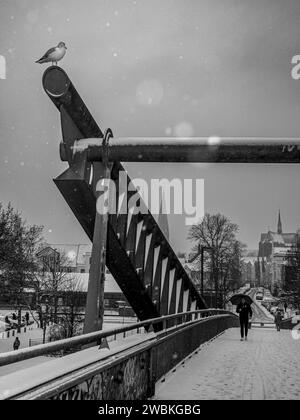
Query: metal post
x: 95, y: 297
x: 44, y: 331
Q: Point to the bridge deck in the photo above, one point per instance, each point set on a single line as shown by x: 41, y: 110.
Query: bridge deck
x: 267, y: 366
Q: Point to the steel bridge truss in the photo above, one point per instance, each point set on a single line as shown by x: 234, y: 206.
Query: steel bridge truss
x: 132, y: 246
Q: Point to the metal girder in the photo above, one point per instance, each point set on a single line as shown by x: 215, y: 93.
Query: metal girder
x: 195, y: 149
x: 137, y: 253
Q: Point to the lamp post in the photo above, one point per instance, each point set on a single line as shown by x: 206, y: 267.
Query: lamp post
x: 202, y: 249
x: 44, y: 308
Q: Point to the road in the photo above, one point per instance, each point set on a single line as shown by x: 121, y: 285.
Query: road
x: 259, y: 314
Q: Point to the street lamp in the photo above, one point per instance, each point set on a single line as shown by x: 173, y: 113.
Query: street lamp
x: 44, y: 308
x: 202, y: 249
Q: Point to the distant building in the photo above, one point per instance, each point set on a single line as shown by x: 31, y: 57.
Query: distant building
x: 75, y: 261
x: 273, y: 248
x: 75, y: 258
x: 248, y: 270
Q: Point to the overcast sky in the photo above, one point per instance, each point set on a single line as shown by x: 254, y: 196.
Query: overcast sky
x: 154, y: 68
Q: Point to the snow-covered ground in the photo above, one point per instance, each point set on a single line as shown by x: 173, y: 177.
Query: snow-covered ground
x: 267, y: 366
x: 110, y: 322
x: 6, y: 344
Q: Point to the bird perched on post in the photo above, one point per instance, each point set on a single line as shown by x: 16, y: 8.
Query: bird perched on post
x: 53, y: 55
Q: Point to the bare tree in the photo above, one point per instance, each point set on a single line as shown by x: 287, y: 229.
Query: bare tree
x: 52, y: 277
x: 71, y: 315
x: 218, y: 234
x: 18, y: 245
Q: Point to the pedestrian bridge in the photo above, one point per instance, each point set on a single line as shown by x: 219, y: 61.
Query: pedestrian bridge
x: 177, y: 332
x: 139, y: 355
x: 201, y: 350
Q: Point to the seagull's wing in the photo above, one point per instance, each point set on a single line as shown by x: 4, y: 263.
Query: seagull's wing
x: 46, y: 55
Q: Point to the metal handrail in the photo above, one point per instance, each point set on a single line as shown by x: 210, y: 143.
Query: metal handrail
x: 189, y: 149
x: 96, y: 337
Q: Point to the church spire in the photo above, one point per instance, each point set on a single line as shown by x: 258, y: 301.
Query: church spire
x: 279, y: 225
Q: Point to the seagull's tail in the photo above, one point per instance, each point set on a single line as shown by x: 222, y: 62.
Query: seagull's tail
x: 41, y: 60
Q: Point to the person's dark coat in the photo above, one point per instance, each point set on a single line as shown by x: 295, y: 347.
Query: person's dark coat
x: 278, y: 317
x: 244, y: 310
x: 16, y: 344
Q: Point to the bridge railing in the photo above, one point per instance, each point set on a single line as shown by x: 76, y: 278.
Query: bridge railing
x: 128, y: 370
x: 76, y: 343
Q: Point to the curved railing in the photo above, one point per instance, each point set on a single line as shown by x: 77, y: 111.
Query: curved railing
x: 158, y: 324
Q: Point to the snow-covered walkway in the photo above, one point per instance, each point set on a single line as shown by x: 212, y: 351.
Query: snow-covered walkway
x: 267, y: 366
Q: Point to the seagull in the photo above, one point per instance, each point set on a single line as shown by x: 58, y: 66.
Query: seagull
x: 54, y: 54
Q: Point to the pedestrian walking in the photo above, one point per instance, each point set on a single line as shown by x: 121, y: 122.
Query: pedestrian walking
x: 245, y: 312
x: 285, y: 306
x: 17, y: 343
x: 27, y: 318
x: 278, y: 319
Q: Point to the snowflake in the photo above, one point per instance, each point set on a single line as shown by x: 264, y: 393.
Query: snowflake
x: 183, y: 129
x: 213, y: 140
